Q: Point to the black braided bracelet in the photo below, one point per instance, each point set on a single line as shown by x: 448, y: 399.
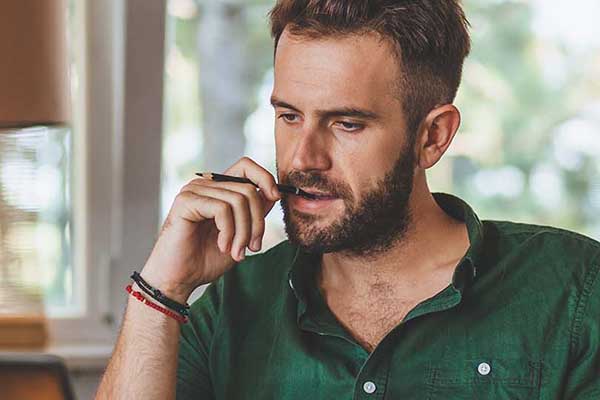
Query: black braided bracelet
x: 159, y: 296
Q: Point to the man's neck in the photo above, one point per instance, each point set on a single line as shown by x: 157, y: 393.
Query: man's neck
x: 431, y: 248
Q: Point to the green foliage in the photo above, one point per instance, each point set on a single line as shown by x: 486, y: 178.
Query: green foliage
x: 518, y: 107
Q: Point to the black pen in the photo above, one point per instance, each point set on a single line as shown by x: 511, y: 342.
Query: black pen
x: 282, y: 188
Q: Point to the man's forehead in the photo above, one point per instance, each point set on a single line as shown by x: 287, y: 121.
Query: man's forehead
x: 353, y: 66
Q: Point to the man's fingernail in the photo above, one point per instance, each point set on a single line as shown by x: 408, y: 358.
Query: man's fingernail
x: 256, y: 244
x: 242, y: 254
x: 275, y: 193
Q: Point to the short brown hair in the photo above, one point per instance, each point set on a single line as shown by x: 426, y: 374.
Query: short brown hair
x: 431, y: 39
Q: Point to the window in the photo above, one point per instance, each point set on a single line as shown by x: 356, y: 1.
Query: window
x: 113, y: 171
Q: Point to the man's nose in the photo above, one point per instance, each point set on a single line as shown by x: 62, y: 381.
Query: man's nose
x: 312, y: 151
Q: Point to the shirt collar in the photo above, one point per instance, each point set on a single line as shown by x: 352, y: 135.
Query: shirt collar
x: 302, y: 273
x: 460, y: 210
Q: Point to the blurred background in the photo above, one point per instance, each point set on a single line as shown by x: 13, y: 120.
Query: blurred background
x: 162, y: 89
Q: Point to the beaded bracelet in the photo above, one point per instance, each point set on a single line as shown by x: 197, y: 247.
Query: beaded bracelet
x: 159, y: 296
x: 138, y: 295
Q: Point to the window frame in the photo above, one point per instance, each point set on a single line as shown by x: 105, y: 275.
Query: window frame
x: 117, y: 140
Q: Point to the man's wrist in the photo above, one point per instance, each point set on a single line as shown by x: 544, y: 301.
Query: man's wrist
x: 174, y: 291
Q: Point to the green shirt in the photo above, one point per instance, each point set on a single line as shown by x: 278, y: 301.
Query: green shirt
x: 520, y: 320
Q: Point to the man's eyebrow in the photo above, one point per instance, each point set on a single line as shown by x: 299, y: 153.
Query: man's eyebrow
x: 336, y: 112
x: 275, y: 102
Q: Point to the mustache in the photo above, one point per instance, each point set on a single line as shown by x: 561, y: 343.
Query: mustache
x: 318, y: 181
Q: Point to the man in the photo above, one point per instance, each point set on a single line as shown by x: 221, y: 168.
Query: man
x: 383, y: 290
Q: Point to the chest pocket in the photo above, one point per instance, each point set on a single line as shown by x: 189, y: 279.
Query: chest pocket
x: 498, y: 378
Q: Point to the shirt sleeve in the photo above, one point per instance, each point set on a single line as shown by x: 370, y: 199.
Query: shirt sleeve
x: 583, y: 381
x: 193, y: 372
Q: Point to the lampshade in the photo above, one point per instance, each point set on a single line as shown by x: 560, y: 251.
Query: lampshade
x: 34, y: 67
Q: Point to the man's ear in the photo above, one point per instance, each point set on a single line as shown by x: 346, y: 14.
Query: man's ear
x: 435, y: 134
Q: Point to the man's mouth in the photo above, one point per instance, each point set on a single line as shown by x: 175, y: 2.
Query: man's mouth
x: 313, y: 201
x: 318, y: 195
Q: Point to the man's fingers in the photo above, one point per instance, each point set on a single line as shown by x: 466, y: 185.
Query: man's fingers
x: 240, y: 207
x: 247, y: 168
x: 267, y: 204
x: 258, y: 203
x: 247, y: 206
x: 256, y: 207
x: 195, y: 208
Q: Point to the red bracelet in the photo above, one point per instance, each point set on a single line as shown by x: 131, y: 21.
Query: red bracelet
x: 138, y: 295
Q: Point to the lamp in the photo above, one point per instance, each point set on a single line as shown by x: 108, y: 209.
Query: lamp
x: 34, y: 110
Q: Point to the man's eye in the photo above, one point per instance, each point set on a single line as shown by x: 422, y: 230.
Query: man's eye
x: 288, y: 117
x: 350, y: 126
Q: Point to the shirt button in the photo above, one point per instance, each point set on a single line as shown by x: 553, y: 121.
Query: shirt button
x: 369, y: 387
x: 484, y: 368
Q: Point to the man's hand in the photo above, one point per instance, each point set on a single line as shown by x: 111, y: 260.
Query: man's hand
x: 208, y: 229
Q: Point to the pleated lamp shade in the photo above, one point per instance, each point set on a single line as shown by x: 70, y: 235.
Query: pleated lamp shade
x: 34, y: 66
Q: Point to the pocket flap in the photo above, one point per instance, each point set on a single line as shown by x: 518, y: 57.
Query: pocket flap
x: 512, y: 371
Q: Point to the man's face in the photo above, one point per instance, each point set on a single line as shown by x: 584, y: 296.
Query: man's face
x: 340, y: 133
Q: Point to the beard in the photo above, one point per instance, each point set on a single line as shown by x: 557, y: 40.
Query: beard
x: 368, y: 227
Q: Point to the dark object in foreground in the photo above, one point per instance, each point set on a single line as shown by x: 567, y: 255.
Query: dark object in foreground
x: 282, y: 188
x: 32, y: 376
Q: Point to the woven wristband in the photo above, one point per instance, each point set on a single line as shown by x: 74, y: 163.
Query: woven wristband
x: 157, y: 295
x: 139, y: 296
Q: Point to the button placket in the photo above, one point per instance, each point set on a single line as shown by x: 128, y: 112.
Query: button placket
x: 372, y: 378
